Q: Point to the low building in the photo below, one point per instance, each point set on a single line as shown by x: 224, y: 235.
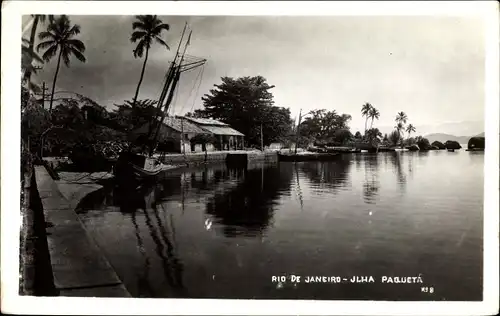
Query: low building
x: 175, y: 135
x: 226, y: 138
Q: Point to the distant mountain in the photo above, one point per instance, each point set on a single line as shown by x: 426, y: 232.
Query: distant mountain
x: 450, y: 128
x: 440, y: 137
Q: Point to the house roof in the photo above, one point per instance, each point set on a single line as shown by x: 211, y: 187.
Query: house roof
x: 214, y: 126
x: 183, y: 126
x: 206, y: 121
x: 222, y: 130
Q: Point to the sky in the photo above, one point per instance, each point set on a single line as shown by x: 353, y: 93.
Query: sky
x: 432, y: 68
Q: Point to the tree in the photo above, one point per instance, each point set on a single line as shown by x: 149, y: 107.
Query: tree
x: 59, y: 36
x: 422, y: 143
x: 246, y: 103
x: 410, y: 129
x: 399, y: 128
x: 27, y: 67
x: 127, y: 117
x: 325, y: 126
x: 148, y: 29
x: 30, y: 48
x: 394, y: 138
x: 401, y: 118
x: 365, y: 111
x: 358, y: 135
x: 373, y: 114
x: 373, y: 136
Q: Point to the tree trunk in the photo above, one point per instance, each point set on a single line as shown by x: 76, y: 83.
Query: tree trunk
x: 371, y: 125
x: 27, y: 74
x: 55, y: 79
x: 142, y: 76
x: 366, y: 121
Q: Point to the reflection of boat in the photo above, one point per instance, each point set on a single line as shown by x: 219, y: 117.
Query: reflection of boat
x: 451, y: 150
x: 307, y: 157
x: 381, y: 150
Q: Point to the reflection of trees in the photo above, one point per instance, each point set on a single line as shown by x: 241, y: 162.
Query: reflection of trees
x: 397, y: 160
x: 142, y: 278
x: 247, y: 209
x: 371, y: 185
x: 333, y: 174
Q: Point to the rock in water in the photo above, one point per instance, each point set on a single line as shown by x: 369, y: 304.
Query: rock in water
x: 451, y: 144
x: 413, y: 148
x: 476, y: 143
x: 438, y: 144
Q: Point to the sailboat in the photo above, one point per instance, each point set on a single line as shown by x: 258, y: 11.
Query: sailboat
x: 138, y: 166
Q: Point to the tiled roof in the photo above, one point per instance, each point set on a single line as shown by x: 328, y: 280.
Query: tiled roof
x: 183, y: 125
x: 222, y: 130
x: 206, y: 121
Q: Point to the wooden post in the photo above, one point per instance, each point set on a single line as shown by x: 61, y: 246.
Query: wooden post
x: 261, y: 138
x: 43, y: 95
x: 183, y: 150
x: 298, y: 127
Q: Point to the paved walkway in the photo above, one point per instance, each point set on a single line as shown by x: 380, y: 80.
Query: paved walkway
x: 79, y: 267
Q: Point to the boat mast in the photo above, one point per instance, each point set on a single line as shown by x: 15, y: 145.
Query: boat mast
x: 172, y: 91
x: 168, y: 81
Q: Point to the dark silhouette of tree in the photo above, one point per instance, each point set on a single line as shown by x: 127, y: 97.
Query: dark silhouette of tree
x: 365, y: 112
x: 373, y: 114
x: 246, y: 103
x: 29, y: 54
x: 59, y: 36
x: 148, y: 28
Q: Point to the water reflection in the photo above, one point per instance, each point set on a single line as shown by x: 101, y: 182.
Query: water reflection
x: 333, y: 175
x: 247, y: 208
x: 397, y: 160
x: 211, y: 250
x: 371, y: 184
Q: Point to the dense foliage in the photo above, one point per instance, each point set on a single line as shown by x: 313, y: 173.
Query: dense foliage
x: 247, y: 105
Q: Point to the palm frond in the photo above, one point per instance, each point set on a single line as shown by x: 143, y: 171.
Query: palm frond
x: 78, y: 54
x: 163, y: 26
x: 46, y: 44
x: 139, y: 50
x: 76, y: 44
x: 162, y: 42
x: 138, y: 25
x: 46, y: 34
x: 65, y: 55
x: 75, y: 30
x: 138, y: 35
x: 49, y: 53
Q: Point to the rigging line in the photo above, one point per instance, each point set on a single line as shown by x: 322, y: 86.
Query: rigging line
x: 192, y: 89
x: 174, y: 103
x: 198, y: 89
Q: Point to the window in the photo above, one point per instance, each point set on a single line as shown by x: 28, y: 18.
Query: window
x: 186, y: 137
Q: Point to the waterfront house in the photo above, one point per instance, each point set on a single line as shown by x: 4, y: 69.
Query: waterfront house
x: 175, y: 135
x: 226, y: 137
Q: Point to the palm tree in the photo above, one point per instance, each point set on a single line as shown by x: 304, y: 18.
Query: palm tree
x: 400, y: 128
x: 373, y: 114
x: 59, y: 36
x: 28, y: 48
x: 28, y: 56
x: 402, y: 118
x: 410, y: 129
x: 365, y: 111
x: 149, y: 28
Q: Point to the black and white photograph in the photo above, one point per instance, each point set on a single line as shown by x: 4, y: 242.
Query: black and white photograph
x: 200, y: 150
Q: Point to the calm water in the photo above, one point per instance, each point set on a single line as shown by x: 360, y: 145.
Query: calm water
x: 211, y: 232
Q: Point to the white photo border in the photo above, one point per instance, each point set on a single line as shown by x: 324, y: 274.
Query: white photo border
x: 12, y: 12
